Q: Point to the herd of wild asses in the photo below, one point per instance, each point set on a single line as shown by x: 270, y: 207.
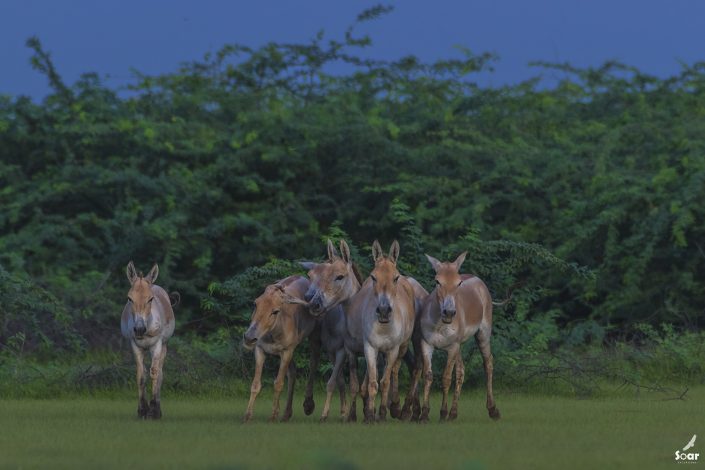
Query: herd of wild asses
x: 344, y: 316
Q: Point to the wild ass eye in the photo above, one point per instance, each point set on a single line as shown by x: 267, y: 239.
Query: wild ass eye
x: 438, y: 283
x: 339, y: 277
x: 374, y: 279
x: 274, y: 312
x: 150, y: 300
x: 129, y: 300
x: 396, y: 279
x: 460, y: 283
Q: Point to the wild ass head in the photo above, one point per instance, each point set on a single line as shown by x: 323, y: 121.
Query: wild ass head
x: 140, y: 297
x: 332, y: 282
x: 268, y: 306
x: 448, y: 280
x: 384, y: 279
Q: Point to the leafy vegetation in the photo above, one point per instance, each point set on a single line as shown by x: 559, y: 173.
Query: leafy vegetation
x: 586, y: 193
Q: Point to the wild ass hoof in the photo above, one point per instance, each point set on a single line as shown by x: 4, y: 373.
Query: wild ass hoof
x: 142, y: 410
x: 286, y: 417
x: 369, y: 416
x: 417, y: 410
x: 274, y: 418
x: 453, y: 413
x: 444, y: 414
x: 406, y: 410
x: 309, y: 405
x: 247, y: 418
x: 382, y: 414
x: 494, y: 413
x: 424, y: 415
x: 395, y: 410
x: 155, y: 410
x: 352, y: 415
x: 323, y: 419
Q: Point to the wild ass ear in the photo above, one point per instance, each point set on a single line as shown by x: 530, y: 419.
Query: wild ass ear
x: 153, y: 273
x: 332, y: 252
x: 131, y: 272
x: 307, y: 265
x: 376, y: 251
x: 290, y: 299
x: 459, y: 260
x: 394, y: 251
x: 434, y: 262
x: 345, y: 251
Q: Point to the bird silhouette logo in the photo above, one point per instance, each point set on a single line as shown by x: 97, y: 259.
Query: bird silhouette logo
x: 691, y: 443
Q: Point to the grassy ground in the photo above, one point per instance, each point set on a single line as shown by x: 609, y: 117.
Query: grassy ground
x: 534, y: 432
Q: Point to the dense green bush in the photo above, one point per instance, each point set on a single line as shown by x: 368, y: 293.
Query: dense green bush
x: 587, y: 192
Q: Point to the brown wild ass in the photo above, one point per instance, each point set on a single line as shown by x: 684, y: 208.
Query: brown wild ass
x: 279, y: 323
x: 459, y: 307
x: 148, y: 323
x: 382, y: 316
x: 379, y: 318
x: 336, y: 283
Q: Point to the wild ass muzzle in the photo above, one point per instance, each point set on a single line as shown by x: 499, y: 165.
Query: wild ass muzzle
x: 459, y: 307
x: 279, y: 324
x: 148, y: 323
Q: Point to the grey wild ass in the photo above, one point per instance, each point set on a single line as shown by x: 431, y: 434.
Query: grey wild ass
x: 459, y: 307
x: 148, y: 323
x: 279, y: 324
x: 341, y: 279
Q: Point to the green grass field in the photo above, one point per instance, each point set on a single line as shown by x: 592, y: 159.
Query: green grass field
x: 534, y: 432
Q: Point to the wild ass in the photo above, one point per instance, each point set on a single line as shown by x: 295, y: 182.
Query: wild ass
x: 379, y: 318
x: 279, y: 323
x: 459, y: 307
x: 341, y: 279
x: 148, y: 323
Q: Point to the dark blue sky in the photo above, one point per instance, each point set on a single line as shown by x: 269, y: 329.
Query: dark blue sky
x: 110, y: 37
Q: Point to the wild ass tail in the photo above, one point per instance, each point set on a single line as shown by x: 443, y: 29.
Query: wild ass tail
x: 510, y: 292
x: 174, y: 298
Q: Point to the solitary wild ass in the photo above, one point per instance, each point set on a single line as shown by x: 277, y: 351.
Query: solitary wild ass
x: 459, y: 307
x: 148, y: 323
x: 279, y: 323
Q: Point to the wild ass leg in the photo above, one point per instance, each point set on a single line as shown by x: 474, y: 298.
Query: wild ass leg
x: 372, y: 384
x: 156, y: 373
x: 364, y: 391
x: 335, y: 375
x: 354, y: 387
x: 394, y: 408
x: 142, y: 407
x: 459, y: 378
x: 427, y: 353
x: 341, y: 391
x: 315, y: 342
x: 291, y: 381
x: 412, y: 396
x: 453, y: 353
x: 285, y: 359
x: 482, y: 337
x: 256, y: 383
x: 391, y: 361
